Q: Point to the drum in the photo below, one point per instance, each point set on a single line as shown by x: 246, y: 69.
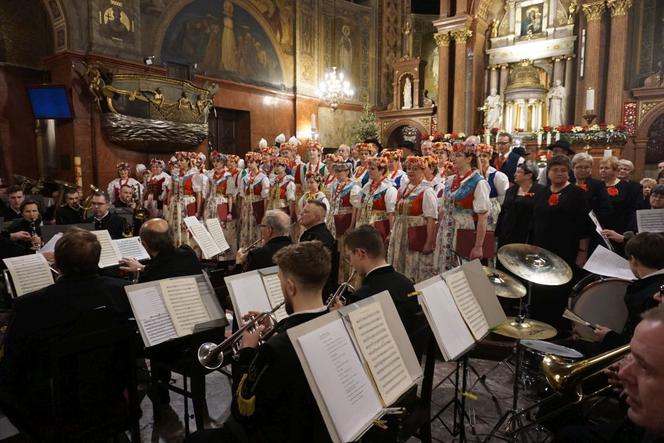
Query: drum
x: 533, y: 351
x: 600, y: 302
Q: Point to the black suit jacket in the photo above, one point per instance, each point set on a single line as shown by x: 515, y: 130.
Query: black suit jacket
x: 66, y: 215
x: 9, y: 214
x: 322, y: 234
x: 176, y: 262
x: 260, y: 258
x: 111, y: 222
x: 285, y: 410
x: 44, y: 316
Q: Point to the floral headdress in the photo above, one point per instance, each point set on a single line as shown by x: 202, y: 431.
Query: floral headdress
x: 439, y: 147
x: 333, y: 159
x: 315, y: 177
x: 392, y: 154
x: 218, y: 156
x: 253, y: 156
x: 432, y: 162
x: 122, y: 166
x: 185, y: 155
x: 367, y: 147
x: 157, y: 162
x: 233, y: 158
x: 468, y: 149
x: 380, y: 162
x: 483, y: 148
x: 414, y: 160
x: 286, y: 147
x: 314, y: 145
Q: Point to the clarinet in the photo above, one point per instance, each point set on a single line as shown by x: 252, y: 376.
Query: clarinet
x: 33, y: 233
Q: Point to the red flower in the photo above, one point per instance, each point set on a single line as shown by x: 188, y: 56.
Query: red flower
x: 454, y: 136
x: 529, y: 194
x: 583, y: 186
x: 612, y: 191
x: 424, y: 136
x: 495, y: 130
x: 547, y: 129
x: 602, y: 126
x: 553, y: 199
x: 621, y: 127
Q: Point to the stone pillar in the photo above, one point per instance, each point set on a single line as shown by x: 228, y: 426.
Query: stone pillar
x: 460, y: 37
x: 617, y: 56
x: 568, y: 117
x: 558, y: 69
x: 461, y: 7
x: 593, y: 12
x: 504, y: 74
x: 443, y: 42
x: 508, y: 121
x: 493, y: 79
x: 511, y: 12
x: 444, y: 8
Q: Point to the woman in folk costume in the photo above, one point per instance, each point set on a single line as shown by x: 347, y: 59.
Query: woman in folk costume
x: 123, y: 179
x: 413, y: 235
x: 329, y: 182
x: 288, y: 151
x: 466, y: 207
x: 343, y: 204
x: 282, y: 189
x: 314, y: 165
x: 233, y: 189
x: 255, y: 191
x: 379, y: 198
x: 313, y: 192
x: 219, y: 203
x: 156, y: 188
x: 366, y: 151
x: 498, y: 183
x: 186, y: 194
x: 394, y: 171
x: 268, y: 159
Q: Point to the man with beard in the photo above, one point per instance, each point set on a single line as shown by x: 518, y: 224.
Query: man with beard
x: 71, y: 213
x: 274, y: 402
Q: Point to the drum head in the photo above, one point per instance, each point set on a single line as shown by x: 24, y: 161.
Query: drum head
x: 544, y: 347
x: 601, y: 302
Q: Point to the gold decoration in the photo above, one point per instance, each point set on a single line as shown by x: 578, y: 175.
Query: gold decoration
x: 442, y: 38
x: 524, y: 76
x: 461, y: 35
x: 594, y: 11
x: 572, y: 10
x: 647, y: 106
x: 494, y: 28
x: 619, y: 7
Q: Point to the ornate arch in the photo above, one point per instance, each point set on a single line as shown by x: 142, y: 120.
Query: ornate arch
x: 177, y: 6
x: 56, y: 13
x: 647, y: 120
x: 387, y: 132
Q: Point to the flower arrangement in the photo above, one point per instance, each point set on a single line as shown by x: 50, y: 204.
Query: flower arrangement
x: 601, y: 133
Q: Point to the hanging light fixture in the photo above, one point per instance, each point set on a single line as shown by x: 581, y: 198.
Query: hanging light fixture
x: 335, y: 88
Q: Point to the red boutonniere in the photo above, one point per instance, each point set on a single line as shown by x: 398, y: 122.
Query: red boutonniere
x: 612, y: 191
x: 583, y: 186
x: 529, y: 194
x: 553, y: 199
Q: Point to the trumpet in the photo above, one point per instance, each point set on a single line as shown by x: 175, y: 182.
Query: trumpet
x: 87, y: 203
x: 338, y: 294
x: 214, y: 356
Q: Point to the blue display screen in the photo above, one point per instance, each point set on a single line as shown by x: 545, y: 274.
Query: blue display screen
x: 50, y: 102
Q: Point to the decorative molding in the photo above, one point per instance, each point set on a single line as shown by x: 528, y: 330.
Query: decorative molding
x: 645, y: 107
x: 461, y: 35
x: 442, y: 38
x: 594, y: 11
x: 619, y: 7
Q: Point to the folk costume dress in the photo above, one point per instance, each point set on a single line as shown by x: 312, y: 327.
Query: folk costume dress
x: 498, y: 184
x: 318, y: 196
x: 303, y: 169
x: 255, y: 188
x: 185, y: 188
x: 398, y: 177
x: 463, y: 198
x: 345, y: 197
x: 378, y: 201
x: 219, y: 206
x: 156, y: 193
x: 114, y: 187
x: 415, y: 204
x: 361, y: 175
x: 282, y: 192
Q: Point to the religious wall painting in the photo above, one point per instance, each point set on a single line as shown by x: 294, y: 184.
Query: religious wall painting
x: 115, y: 24
x: 646, y: 46
x: 430, y: 54
x: 655, y: 146
x: 531, y: 19
x: 226, y: 41
x: 279, y: 16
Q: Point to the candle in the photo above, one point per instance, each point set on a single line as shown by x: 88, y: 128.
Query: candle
x: 548, y: 138
x: 590, y: 99
x: 557, y: 136
x: 77, y: 160
x: 608, y: 153
x: 539, y: 139
x: 487, y: 138
x: 313, y: 121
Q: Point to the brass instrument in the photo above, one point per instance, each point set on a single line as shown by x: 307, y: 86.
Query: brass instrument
x: 570, y: 377
x: 63, y: 187
x: 213, y: 356
x: 338, y: 294
x: 140, y: 211
x: 87, y: 203
x: 29, y: 185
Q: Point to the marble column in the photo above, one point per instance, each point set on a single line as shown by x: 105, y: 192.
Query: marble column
x: 511, y: 12
x: 443, y: 42
x: 493, y: 79
x: 617, y: 56
x: 508, y: 124
x: 568, y: 116
x: 593, y: 12
x: 558, y: 69
x: 504, y: 74
x: 460, y: 37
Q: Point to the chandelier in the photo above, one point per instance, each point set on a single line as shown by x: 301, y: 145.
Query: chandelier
x: 334, y: 88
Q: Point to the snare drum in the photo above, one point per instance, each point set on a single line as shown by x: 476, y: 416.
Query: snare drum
x: 533, y: 352
x: 601, y: 302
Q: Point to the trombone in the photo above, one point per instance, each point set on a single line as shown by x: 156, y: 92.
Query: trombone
x: 214, y: 356
x: 87, y: 203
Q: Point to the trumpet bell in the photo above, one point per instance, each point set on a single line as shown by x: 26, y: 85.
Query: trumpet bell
x: 208, y: 359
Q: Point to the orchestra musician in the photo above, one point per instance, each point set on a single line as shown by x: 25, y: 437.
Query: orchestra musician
x: 312, y: 219
x: 274, y: 232
x: 29, y: 222
x: 13, y: 210
x: 103, y: 218
x: 274, y: 402
x: 114, y: 187
x: 72, y: 212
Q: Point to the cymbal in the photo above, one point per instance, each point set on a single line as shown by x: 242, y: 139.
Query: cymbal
x: 506, y: 285
x: 527, y: 328
x: 535, y: 264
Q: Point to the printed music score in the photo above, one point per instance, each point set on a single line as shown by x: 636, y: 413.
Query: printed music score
x: 275, y: 294
x: 29, y: 273
x: 467, y: 304
x: 184, y: 303
x: 202, y: 237
x: 650, y: 220
x: 608, y: 264
x: 110, y: 255
x: 131, y: 248
x: 151, y: 312
x: 214, y: 228
x: 344, y: 385
x: 380, y: 352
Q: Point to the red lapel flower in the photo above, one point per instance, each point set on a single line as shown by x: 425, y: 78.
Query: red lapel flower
x: 529, y: 194
x: 583, y: 186
x: 553, y: 199
x: 612, y: 191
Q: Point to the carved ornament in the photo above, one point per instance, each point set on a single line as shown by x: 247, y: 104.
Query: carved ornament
x: 442, y: 38
x: 461, y: 35
x: 594, y: 11
x: 619, y: 7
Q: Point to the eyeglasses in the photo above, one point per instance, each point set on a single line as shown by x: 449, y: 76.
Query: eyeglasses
x: 502, y: 143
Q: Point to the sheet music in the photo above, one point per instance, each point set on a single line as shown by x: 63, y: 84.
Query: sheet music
x: 29, y: 273
x: 380, y: 352
x: 110, y: 255
x: 151, y: 313
x: 348, y: 393
x: 452, y: 334
x: 191, y: 221
x: 203, y: 238
x: 184, y: 303
x: 650, y: 220
x: 248, y: 294
x: 598, y: 229
x: 466, y: 303
x: 214, y: 228
x: 50, y: 245
x: 609, y: 264
x: 131, y: 248
x: 274, y: 294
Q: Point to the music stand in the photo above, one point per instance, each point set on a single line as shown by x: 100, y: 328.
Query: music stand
x: 48, y: 231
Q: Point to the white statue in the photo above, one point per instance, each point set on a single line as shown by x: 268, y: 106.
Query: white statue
x: 555, y: 101
x: 407, y: 94
x: 494, y: 109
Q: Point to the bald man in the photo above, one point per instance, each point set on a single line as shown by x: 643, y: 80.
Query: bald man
x: 166, y: 260
x: 313, y: 220
x: 275, y: 234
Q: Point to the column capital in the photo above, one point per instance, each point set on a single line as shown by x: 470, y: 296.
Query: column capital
x: 556, y: 59
x: 461, y: 35
x: 619, y: 7
x: 442, y: 38
x: 594, y: 11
